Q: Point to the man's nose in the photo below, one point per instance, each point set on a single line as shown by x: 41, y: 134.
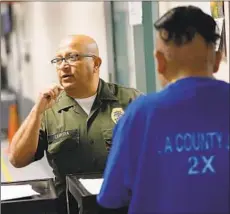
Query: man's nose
x: 64, y: 64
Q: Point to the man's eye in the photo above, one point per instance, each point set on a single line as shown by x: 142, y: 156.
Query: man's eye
x: 73, y: 58
x: 58, y: 60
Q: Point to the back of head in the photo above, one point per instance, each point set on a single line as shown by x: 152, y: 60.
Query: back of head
x: 187, y: 38
x: 182, y: 23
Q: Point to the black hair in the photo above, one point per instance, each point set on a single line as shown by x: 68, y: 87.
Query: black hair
x: 180, y: 25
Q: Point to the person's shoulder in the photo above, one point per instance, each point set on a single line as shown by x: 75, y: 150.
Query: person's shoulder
x: 225, y: 84
x: 150, y: 99
x: 123, y: 92
x: 143, y: 109
x: 144, y: 105
x: 61, y: 102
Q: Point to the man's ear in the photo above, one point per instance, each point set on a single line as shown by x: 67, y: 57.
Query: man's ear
x: 161, y: 62
x: 97, y: 62
x: 217, y: 61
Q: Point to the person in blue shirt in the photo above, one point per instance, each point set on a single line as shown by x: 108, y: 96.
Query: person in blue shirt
x: 170, y: 150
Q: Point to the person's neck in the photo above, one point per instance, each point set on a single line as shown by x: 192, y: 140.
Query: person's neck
x: 187, y: 74
x: 85, y: 92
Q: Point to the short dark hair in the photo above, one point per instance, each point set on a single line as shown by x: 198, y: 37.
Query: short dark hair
x: 182, y: 23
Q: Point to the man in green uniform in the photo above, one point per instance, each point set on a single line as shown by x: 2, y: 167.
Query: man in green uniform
x: 72, y: 122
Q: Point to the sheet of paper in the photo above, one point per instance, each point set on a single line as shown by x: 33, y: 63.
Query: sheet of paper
x: 135, y: 13
x: 92, y: 185
x: 16, y: 191
x: 220, y: 24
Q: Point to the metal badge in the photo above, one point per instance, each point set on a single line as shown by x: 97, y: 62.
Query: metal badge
x: 116, y: 114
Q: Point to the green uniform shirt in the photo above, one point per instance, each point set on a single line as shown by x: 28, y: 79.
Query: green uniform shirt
x: 75, y: 142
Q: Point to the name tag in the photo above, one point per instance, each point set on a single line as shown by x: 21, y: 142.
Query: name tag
x: 74, y: 134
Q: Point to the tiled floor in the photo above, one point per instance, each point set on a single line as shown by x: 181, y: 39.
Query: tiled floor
x: 37, y: 170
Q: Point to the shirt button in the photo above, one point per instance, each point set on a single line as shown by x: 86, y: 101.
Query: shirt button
x: 94, y: 161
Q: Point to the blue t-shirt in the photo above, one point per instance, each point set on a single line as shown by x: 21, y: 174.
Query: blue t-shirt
x: 170, y: 152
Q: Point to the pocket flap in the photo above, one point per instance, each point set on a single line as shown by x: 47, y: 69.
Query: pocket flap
x: 107, y: 134
x: 64, y: 141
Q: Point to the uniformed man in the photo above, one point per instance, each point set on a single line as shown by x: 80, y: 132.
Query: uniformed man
x: 170, y: 152
x: 72, y: 122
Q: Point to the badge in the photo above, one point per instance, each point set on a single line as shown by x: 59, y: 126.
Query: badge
x: 116, y: 114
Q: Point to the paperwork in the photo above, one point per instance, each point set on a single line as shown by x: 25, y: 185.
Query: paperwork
x: 220, y: 24
x: 92, y: 185
x: 16, y: 191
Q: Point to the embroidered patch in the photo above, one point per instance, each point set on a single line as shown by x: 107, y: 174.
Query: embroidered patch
x: 116, y: 114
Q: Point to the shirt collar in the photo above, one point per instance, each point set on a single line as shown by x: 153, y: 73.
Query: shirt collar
x: 104, y: 92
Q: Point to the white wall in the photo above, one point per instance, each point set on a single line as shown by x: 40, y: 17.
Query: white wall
x: 223, y: 73
x: 46, y: 23
x: 224, y: 70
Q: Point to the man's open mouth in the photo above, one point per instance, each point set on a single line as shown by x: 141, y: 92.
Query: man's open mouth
x: 66, y: 76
